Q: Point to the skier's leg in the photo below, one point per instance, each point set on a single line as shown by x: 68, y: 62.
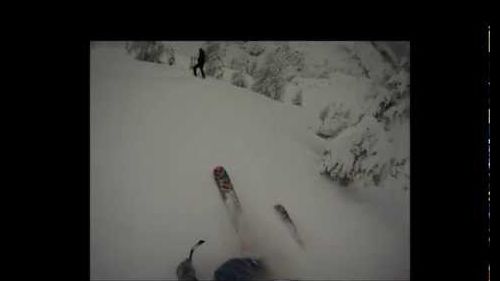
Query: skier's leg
x: 194, y: 69
x: 202, y: 72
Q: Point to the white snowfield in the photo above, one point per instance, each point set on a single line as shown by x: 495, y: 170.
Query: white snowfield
x: 156, y: 134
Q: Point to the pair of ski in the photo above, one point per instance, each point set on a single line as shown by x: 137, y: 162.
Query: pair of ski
x: 233, y: 205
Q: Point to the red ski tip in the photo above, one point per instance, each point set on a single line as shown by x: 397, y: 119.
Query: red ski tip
x: 218, y: 169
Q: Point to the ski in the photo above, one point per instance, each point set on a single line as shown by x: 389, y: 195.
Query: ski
x: 287, y: 220
x: 228, y: 195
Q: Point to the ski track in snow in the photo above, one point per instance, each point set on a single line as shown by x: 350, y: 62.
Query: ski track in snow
x: 156, y: 134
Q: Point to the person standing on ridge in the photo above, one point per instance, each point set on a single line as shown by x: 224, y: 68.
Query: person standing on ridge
x: 201, y: 63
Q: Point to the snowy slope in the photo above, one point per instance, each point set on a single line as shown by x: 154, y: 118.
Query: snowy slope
x: 156, y: 134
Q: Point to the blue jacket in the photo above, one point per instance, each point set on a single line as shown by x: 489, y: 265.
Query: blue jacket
x: 237, y: 269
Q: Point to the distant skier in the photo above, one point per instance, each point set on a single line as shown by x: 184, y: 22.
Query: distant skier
x: 201, y: 63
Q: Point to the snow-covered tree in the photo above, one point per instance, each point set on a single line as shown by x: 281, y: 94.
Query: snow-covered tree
x: 335, y: 117
x: 324, y: 113
x: 253, y: 48
x: 385, y: 54
x: 170, y: 54
x: 325, y: 74
x: 270, y: 80
x: 395, y: 104
x: 238, y: 79
x: 362, y: 153
x: 278, y: 69
x: 367, y: 153
x: 252, y: 68
x: 149, y: 51
x: 374, y: 148
x: 297, y: 99
x: 214, y: 65
x: 239, y: 63
x: 361, y: 65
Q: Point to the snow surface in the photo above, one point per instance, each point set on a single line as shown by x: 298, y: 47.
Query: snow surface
x: 156, y: 134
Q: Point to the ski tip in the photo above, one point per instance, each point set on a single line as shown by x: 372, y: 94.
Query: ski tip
x: 279, y: 207
x: 219, y: 170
